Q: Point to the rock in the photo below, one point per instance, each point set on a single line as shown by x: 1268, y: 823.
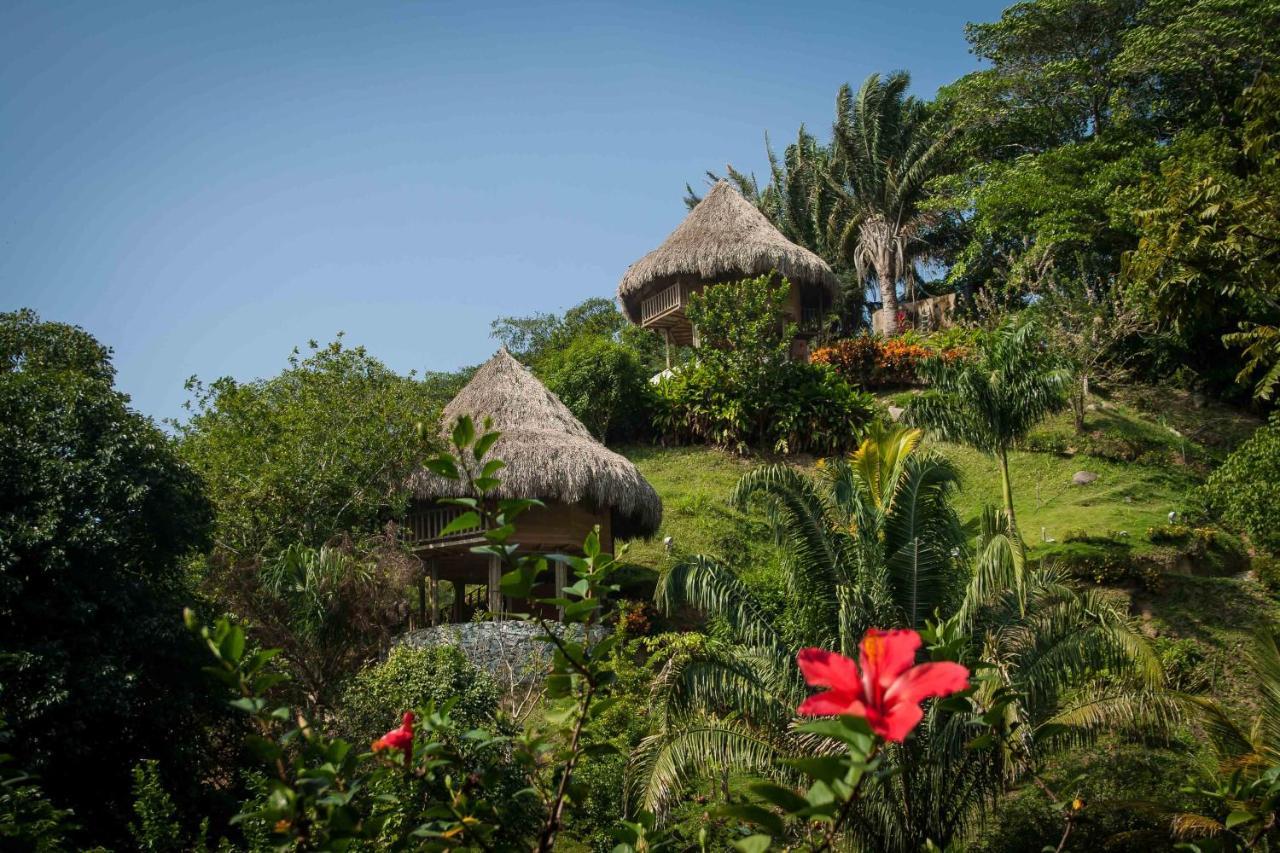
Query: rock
x: 1083, y: 478
x: 895, y: 412
x: 508, y: 649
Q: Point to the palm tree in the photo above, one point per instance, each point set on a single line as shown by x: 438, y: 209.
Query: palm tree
x: 993, y: 398
x: 731, y: 706
x: 884, y: 153
x: 1243, y: 773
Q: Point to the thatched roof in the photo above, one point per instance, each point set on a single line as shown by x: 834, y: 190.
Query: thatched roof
x: 725, y: 236
x: 550, y: 455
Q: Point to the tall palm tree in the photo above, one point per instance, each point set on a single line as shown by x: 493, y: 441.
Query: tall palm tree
x: 993, y: 398
x: 884, y: 153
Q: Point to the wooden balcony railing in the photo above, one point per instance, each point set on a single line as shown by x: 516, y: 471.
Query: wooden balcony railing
x: 665, y: 300
x: 424, y: 526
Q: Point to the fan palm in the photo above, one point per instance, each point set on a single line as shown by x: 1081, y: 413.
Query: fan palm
x: 731, y: 708
x: 993, y: 398
x: 884, y: 153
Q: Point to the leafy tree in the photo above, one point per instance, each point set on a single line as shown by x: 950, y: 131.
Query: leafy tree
x: 319, y: 451
x: 1053, y: 58
x: 1245, y: 490
x: 329, y: 609
x: 1042, y: 221
x: 603, y: 383
x: 530, y: 338
x: 97, y: 514
x: 1186, y: 63
x: 745, y: 389
x: 992, y: 399
x: 885, y: 152
x: 1210, y: 243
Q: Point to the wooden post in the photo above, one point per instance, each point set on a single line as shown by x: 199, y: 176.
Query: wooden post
x: 495, y: 586
x: 666, y: 342
x: 422, y: 601
x: 435, y: 594
x: 561, y: 571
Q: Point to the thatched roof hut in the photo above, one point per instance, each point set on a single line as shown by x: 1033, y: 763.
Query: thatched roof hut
x: 549, y: 454
x: 723, y: 238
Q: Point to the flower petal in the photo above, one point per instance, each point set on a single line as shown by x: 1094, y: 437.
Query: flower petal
x: 822, y: 668
x: 928, y: 679
x: 898, y: 722
x: 830, y: 703
x: 885, y: 655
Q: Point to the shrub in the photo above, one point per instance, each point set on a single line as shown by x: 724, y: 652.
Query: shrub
x: 1245, y: 491
x: 1168, y: 534
x: 413, y: 677
x: 603, y: 383
x: 809, y: 410
x: 873, y: 362
x: 1267, y: 568
x: 745, y: 390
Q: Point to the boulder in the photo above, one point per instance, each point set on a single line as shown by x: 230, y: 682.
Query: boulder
x: 1083, y: 478
x: 895, y: 412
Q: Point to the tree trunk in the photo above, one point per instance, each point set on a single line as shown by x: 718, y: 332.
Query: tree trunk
x: 888, y: 282
x: 1006, y: 488
x: 1079, y: 400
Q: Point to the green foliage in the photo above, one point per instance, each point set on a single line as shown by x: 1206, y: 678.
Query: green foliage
x: 603, y: 383
x: 745, y: 390
x: 1267, y: 569
x: 531, y: 338
x: 324, y: 794
x: 156, y: 828
x: 320, y: 450
x: 1246, y: 489
x: 413, y: 677
x: 328, y: 609
x: 28, y: 821
x: 96, y: 516
x: 991, y: 399
x: 1242, y: 783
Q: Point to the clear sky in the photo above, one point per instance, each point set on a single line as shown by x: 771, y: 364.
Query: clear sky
x: 205, y: 185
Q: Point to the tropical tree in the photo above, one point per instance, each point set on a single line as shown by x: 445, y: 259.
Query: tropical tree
x: 1241, y: 777
x: 1038, y: 640
x: 97, y: 516
x: 884, y: 153
x: 992, y: 399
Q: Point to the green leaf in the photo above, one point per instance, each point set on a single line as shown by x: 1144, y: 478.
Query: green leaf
x: 442, y: 466
x: 754, y: 844
x: 464, y: 432
x: 753, y: 814
x: 779, y: 795
x: 483, y: 446
x: 466, y: 521
x: 1237, y: 818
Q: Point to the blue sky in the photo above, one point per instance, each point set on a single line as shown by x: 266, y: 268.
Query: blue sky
x: 204, y: 186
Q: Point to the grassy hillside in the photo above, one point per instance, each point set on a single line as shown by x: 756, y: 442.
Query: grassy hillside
x: 1148, y: 447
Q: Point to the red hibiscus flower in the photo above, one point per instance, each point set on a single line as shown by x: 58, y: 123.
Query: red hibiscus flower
x: 889, y: 689
x: 399, y: 739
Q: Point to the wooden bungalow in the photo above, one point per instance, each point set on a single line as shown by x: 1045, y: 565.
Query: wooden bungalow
x: 723, y: 239
x: 549, y: 455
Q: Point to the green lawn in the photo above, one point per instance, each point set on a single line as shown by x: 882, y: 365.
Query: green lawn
x: 1125, y: 497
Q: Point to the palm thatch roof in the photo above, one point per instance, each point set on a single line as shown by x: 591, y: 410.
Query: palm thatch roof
x: 549, y: 454
x: 724, y: 237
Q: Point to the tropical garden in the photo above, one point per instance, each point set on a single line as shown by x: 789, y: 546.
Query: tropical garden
x: 1008, y: 584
